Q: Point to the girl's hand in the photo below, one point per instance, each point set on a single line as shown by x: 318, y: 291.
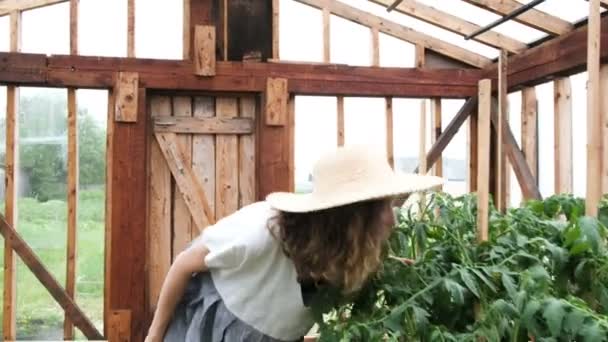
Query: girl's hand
x: 405, y: 261
x: 153, y: 338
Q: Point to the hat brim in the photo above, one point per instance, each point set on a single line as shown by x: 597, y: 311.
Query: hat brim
x: 397, y: 185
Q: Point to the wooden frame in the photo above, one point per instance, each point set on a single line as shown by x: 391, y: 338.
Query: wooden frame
x: 562, y: 93
x: 483, y: 172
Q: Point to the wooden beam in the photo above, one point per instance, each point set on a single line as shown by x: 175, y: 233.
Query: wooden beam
x: 559, y: 57
x: 108, y: 214
x: 188, y: 184
x: 8, y: 6
x: 204, y: 50
x: 375, y: 40
x: 436, y: 133
x: 424, y: 167
x: 594, y: 130
x: 31, y: 260
x: 390, y: 148
x: 131, y: 28
x: 9, y: 330
x: 72, y: 187
x: 127, y: 85
x: 214, y: 125
x: 196, y: 12
x: 291, y: 144
x: 562, y: 96
x: 303, y: 79
x: 526, y: 180
x: 538, y: 19
x: 483, y: 173
x: 399, y: 31
x: 501, y: 174
x: 119, y: 329
x: 326, y: 35
x: 529, y: 129
x: 74, y: 26
x: 472, y: 143
x: 275, y: 29
x: 276, y: 101
x: 604, y: 125
x: 186, y: 35
x: 340, y: 118
x: 453, y: 23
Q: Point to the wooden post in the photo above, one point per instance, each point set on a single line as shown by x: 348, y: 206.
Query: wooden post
x: 108, y: 213
x: 483, y: 173
x: 204, y: 50
x: 131, y: 28
x: 291, y: 142
x: 326, y: 35
x: 562, y: 95
x: 390, y: 151
x: 186, y: 35
x: 225, y: 29
x: 529, y: 129
x: 276, y: 101
x: 604, y: 133
x: 275, y: 29
x: 501, y: 176
x: 594, y: 131
x: 472, y: 143
x: 375, y: 35
x: 119, y: 329
x: 340, y: 117
x: 422, y: 143
x: 436, y: 132
x: 12, y: 139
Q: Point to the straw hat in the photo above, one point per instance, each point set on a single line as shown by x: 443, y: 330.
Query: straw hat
x: 348, y: 175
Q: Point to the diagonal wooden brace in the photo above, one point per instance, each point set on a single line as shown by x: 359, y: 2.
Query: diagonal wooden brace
x: 73, y: 312
x: 186, y: 181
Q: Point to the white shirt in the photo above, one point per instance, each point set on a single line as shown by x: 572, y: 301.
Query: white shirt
x: 256, y: 280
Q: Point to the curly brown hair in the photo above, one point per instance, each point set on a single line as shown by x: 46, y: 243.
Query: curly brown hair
x: 341, y: 246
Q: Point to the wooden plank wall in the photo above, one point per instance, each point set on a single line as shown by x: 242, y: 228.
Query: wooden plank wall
x: 182, y: 224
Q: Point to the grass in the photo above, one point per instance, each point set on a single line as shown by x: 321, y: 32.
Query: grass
x: 44, y: 227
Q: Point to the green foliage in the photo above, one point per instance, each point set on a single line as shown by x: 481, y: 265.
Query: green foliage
x: 544, y: 273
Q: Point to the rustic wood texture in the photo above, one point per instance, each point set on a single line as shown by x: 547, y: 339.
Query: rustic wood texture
x: 224, y: 28
x: 326, y: 35
x: 108, y: 213
x: 8, y: 6
x: 31, y: 260
x: 129, y: 195
x: 274, y: 154
x: 562, y: 96
x: 72, y: 187
x: 472, y: 157
x: 203, y: 152
x: 276, y: 101
x: 529, y: 129
x: 422, y: 160
x: 127, y: 85
x: 501, y: 170
x: 74, y: 27
x: 291, y: 144
x: 420, y: 57
x: 182, y: 227
x: 9, y: 331
x: 186, y: 182
x: 340, y: 118
x: 159, y: 229
x: 227, y: 181
x: 604, y: 125
x: 390, y: 148
x: 375, y: 44
x: 196, y: 12
x: 453, y: 23
x: 483, y: 172
x: 303, y: 78
x: 207, y: 125
x: 120, y: 326
x: 399, y: 31
x: 436, y: 133
x: 204, y: 50
x: 130, y: 28
x: 594, y: 130
x: 535, y: 18
x: 275, y: 29
x: 246, y: 154
x: 186, y: 36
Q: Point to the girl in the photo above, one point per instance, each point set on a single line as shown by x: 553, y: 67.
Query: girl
x: 251, y: 276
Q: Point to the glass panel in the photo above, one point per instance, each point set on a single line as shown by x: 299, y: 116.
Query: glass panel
x: 579, y: 133
x: 158, y: 29
x: 350, y: 42
x: 92, y: 123
x: 296, y: 43
x: 42, y: 207
x: 396, y: 53
x: 546, y: 151
x: 406, y: 136
x: 4, y: 33
x: 315, y: 133
x: 47, y: 29
x: 454, y: 156
x: 514, y: 101
x: 365, y: 122
x: 571, y: 10
x: 95, y: 36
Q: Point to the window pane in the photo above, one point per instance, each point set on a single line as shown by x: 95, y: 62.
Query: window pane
x: 95, y: 36
x: 297, y: 44
x: 350, y: 42
x: 455, y: 154
x: 47, y: 29
x: 365, y: 122
x: 158, y: 29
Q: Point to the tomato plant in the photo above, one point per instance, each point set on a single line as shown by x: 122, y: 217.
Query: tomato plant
x: 543, y: 274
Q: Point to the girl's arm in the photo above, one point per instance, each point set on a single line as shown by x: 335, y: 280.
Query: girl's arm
x: 190, y: 261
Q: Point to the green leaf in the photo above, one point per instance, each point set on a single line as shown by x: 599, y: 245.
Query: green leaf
x: 554, y: 314
x: 528, y: 317
x: 485, y: 279
x: 573, y: 322
x: 593, y: 333
x: 503, y: 307
x: 455, y: 290
x: 572, y: 235
x: 590, y: 229
x: 395, y: 321
x: 509, y: 285
x: 420, y: 318
x: 469, y: 282
x: 579, y: 248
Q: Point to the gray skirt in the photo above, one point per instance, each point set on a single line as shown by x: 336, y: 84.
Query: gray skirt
x: 201, y: 316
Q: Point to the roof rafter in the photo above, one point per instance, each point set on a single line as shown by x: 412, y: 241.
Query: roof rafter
x: 450, y: 22
x: 535, y: 18
x: 8, y: 6
x: 399, y: 31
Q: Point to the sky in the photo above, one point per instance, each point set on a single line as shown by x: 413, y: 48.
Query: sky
x: 159, y: 35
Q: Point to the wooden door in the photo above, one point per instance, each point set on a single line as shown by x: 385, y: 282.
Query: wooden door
x: 202, y: 168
